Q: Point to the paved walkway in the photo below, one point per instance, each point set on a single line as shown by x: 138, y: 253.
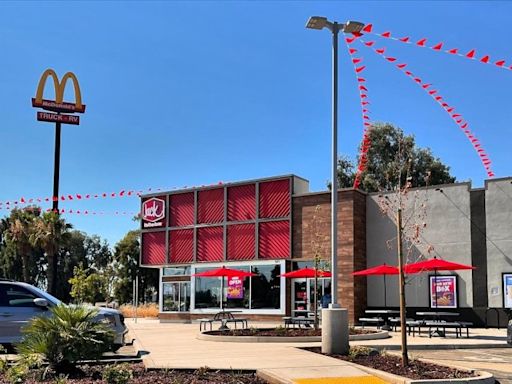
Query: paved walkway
x: 172, y: 345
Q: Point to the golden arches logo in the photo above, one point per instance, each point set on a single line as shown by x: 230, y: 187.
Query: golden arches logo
x: 58, y: 105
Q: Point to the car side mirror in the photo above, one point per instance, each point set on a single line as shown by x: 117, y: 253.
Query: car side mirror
x: 39, y: 302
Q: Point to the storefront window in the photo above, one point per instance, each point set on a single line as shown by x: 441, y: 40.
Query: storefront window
x: 258, y: 292
x: 266, y: 287
x: 176, y: 271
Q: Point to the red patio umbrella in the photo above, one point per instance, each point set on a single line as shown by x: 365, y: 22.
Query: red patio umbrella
x: 224, y: 272
x: 383, y: 269
x: 435, y: 265
x: 306, y: 272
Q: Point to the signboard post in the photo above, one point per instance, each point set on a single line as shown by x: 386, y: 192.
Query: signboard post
x: 443, y: 291
x: 59, y: 106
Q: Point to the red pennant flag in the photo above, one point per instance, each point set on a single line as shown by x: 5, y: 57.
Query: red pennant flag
x: 485, y: 59
x: 444, y: 105
x: 432, y: 92
x: 365, y: 103
x: 500, y: 63
x: 113, y: 194
x: 438, y: 98
x: 369, y: 43
x: 401, y: 66
x: 471, y: 54
x: 367, y: 28
x: 366, y: 124
x: 456, y: 115
x: 22, y: 200
x: 425, y: 86
x: 404, y: 39
x: 361, y: 79
x: 408, y: 73
x: 366, y: 117
x: 357, y: 34
x: 453, y: 51
x: 104, y: 195
x: 363, y: 96
x: 464, y: 125
x: 438, y: 47
x: 62, y: 198
x: 350, y: 40
x: 30, y: 200
x: 417, y: 79
x: 459, y: 121
x: 363, y: 88
x: 79, y: 197
x: 352, y: 50
x: 390, y: 59
x: 121, y: 193
x: 356, y: 60
x: 62, y: 211
x: 386, y: 34
x: 360, y: 69
x: 70, y: 197
x: 365, y: 110
x: 480, y: 150
x: 421, y: 42
x: 450, y: 110
x: 380, y: 50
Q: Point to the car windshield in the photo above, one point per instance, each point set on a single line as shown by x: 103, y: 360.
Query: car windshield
x: 46, y: 296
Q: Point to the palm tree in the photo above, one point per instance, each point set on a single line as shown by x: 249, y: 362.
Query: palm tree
x: 49, y: 232
x: 19, y: 227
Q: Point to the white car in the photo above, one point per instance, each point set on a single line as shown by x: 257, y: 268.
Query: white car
x: 20, y: 302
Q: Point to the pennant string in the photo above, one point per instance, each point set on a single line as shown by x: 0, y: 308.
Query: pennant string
x: 458, y: 118
x: 365, y: 111
x: 439, y: 47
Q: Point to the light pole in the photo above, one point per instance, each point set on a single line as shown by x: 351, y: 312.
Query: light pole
x: 319, y: 22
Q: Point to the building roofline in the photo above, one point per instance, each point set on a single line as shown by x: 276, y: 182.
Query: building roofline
x: 219, y: 185
x: 329, y: 192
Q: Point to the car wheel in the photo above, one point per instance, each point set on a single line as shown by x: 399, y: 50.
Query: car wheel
x: 116, y: 347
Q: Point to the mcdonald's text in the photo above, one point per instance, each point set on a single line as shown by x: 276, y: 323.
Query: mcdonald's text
x: 52, y: 105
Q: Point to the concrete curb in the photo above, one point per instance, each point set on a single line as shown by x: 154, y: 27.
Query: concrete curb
x: 419, y: 347
x: 283, y: 339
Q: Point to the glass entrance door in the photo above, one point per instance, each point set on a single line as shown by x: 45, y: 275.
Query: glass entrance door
x: 303, y: 293
x: 176, y: 296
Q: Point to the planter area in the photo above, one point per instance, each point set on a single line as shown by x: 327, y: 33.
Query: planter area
x: 284, y: 335
x: 389, y: 368
x: 136, y: 373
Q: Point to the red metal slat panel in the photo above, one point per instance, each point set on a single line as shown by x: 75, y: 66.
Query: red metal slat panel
x: 153, y: 248
x: 181, y: 209
x: 241, y: 244
x: 210, y: 245
x: 275, y: 198
x: 274, y: 240
x: 242, y: 202
x: 181, y: 244
x: 211, y: 206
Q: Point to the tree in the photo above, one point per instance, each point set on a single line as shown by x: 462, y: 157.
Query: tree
x: 384, y: 166
x: 50, y: 232
x: 17, y: 229
x: 87, y: 286
x: 126, y: 265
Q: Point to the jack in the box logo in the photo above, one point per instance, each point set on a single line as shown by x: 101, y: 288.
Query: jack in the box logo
x: 153, y: 212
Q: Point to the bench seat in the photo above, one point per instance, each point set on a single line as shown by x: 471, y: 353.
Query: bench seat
x: 372, y: 320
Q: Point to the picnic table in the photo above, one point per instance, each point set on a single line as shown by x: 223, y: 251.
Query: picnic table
x: 438, y: 320
x: 224, y: 318
x: 384, y: 315
x: 299, y: 321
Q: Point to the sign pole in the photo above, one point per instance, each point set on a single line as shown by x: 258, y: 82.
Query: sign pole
x: 56, y: 168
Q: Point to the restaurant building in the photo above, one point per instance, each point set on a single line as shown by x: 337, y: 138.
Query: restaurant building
x: 275, y: 225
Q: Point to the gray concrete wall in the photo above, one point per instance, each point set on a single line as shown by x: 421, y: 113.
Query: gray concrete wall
x: 447, y: 228
x: 498, y: 201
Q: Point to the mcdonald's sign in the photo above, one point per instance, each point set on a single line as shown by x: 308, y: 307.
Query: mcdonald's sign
x: 58, y: 105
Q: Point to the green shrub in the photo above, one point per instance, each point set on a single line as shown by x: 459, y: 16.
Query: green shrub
x: 4, y: 365
x: 67, y: 335
x: 17, y: 374
x: 117, y: 374
x: 61, y: 379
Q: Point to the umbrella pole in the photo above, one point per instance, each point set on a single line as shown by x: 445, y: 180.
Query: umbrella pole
x: 385, y: 295
x: 435, y: 285
x: 222, y: 293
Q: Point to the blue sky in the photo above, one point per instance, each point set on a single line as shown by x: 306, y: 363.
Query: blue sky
x: 193, y: 93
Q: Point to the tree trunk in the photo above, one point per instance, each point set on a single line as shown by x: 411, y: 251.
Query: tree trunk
x: 26, y: 271
x: 50, y: 272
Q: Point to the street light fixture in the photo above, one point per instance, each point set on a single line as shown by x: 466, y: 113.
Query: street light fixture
x: 320, y: 22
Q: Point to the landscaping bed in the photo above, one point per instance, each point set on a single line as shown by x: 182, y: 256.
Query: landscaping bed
x: 282, y: 332
x: 417, y: 369
x: 136, y: 373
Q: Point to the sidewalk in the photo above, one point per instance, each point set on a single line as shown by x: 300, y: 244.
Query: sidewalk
x: 172, y: 345
x: 176, y: 346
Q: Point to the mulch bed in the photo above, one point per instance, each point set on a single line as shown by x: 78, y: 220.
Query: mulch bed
x: 93, y: 374
x: 417, y: 370
x: 281, y: 332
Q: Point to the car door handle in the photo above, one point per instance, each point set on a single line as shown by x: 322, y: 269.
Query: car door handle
x: 6, y: 314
